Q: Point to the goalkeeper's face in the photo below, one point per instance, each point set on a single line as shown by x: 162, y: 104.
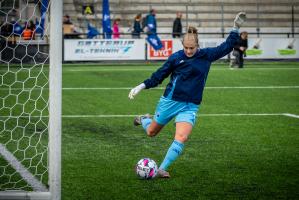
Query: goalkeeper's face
x: 190, y: 46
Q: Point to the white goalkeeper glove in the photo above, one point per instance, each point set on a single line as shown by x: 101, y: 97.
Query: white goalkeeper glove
x: 136, y: 90
x: 239, y: 19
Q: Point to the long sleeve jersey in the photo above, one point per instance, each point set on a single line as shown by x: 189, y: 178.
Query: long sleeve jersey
x: 188, y: 75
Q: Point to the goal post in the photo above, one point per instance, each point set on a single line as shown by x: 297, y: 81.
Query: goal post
x: 30, y: 100
x: 55, y: 98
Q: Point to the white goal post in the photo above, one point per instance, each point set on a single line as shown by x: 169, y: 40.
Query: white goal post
x: 30, y: 108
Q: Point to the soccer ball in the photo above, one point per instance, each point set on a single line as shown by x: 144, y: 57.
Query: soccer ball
x: 146, y: 168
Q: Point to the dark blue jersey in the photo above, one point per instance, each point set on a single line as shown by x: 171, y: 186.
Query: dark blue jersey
x: 189, y: 74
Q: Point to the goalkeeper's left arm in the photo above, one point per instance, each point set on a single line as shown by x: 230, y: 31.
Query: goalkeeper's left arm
x: 227, y: 46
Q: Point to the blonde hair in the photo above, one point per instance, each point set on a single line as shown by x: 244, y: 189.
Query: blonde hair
x: 191, y: 34
x: 192, y: 29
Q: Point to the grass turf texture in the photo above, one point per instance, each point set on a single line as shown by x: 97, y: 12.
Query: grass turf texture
x: 227, y: 157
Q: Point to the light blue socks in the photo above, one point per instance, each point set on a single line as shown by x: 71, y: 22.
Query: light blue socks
x: 174, y: 150
x: 173, y: 153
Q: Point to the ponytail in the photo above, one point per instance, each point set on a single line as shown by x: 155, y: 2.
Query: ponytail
x: 191, y: 33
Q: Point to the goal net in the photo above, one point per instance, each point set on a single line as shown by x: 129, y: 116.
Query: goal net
x: 30, y: 98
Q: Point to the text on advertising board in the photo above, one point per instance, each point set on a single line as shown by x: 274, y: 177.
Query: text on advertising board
x: 163, y: 53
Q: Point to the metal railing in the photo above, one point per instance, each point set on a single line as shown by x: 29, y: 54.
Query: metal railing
x: 220, y: 34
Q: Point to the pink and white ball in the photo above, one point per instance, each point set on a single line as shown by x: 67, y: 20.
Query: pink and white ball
x: 146, y: 168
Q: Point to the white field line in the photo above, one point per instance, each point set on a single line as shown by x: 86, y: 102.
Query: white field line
x: 134, y: 115
x: 158, y: 88
x: 26, y: 175
x: 216, y: 87
x: 154, y: 69
x: 291, y: 115
x: 108, y: 70
x: 199, y: 115
x: 112, y: 69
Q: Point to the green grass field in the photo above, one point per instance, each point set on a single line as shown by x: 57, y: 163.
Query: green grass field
x: 245, y: 144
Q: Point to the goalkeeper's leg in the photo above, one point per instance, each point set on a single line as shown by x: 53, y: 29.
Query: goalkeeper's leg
x: 150, y: 126
x: 183, y: 130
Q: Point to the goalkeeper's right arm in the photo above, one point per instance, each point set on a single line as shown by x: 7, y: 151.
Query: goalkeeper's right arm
x: 136, y: 90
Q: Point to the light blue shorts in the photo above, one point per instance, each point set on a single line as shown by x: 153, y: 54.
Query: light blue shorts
x: 182, y: 111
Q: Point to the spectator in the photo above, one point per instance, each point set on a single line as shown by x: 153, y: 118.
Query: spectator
x: 6, y: 29
x: 67, y: 19
x: 240, y: 50
x: 69, y: 30
x: 177, y: 26
x: 32, y: 27
x: 17, y: 28
x: 115, y: 29
x: 5, y: 33
x: 150, y: 22
x: 10, y: 31
x: 137, y: 26
x: 29, y: 31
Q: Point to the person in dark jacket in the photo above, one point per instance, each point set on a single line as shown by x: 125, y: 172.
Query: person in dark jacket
x: 177, y: 26
x: 6, y: 29
x: 188, y: 70
x: 240, y: 50
x: 137, y: 26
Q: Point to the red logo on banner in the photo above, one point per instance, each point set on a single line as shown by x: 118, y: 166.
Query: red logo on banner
x: 163, y: 53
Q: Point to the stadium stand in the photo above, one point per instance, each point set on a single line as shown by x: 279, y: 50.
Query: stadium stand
x: 209, y: 16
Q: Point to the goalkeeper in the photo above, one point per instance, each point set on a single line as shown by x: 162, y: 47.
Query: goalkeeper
x: 181, y: 100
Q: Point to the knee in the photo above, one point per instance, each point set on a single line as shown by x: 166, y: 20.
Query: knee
x: 151, y: 132
x: 181, y: 138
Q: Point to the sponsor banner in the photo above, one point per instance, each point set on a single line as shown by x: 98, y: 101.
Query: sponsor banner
x: 161, y: 54
x: 134, y: 49
x: 96, y: 50
x: 273, y: 48
x: 174, y: 45
x: 258, y: 48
